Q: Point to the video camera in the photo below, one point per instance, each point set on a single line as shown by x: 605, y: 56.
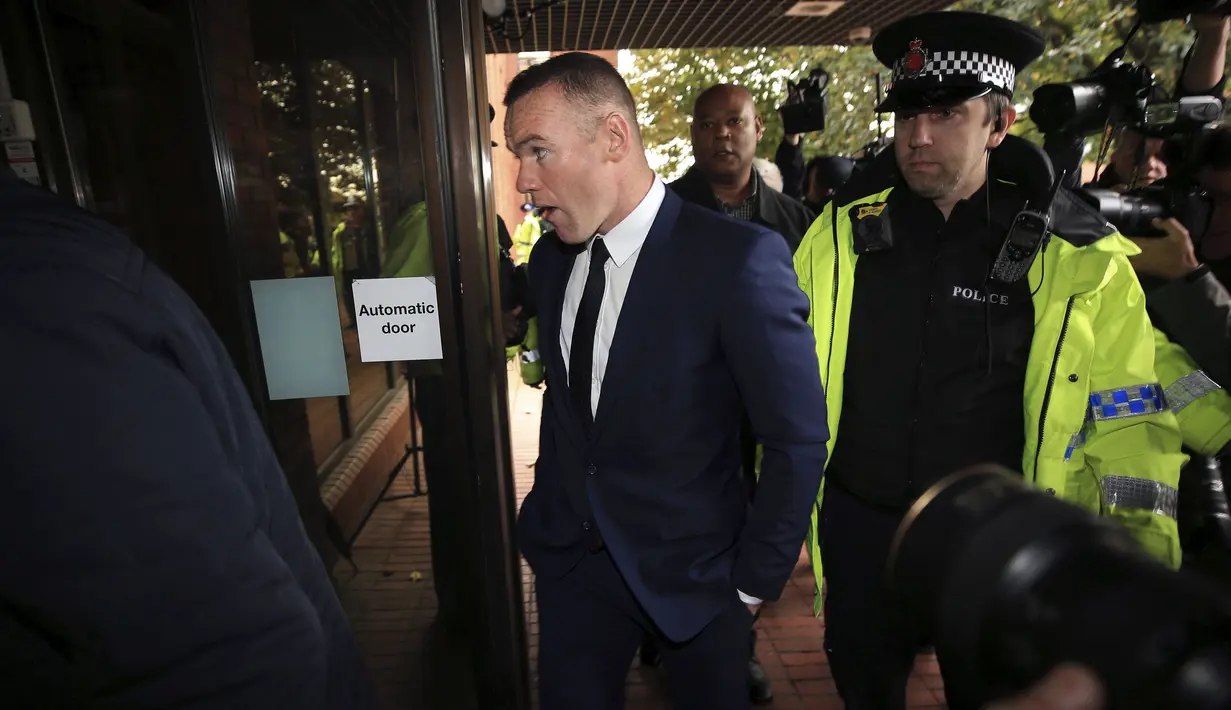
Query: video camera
x: 868, y: 152
x: 806, y: 103
x: 1009, y: 582
x: 1121, y: 95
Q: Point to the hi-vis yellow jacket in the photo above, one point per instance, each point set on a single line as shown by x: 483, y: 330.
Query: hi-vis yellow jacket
x: 532, y: 369
x: 1092, y: 343
x: 1202, y: 407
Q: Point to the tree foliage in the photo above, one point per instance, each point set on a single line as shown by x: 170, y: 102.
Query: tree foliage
x: 1079, y: 34
x: 336, y: 138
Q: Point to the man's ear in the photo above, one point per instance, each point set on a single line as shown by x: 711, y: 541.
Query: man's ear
x: 760, y: 124
x: 618, y: 135
x: 1000, y: 126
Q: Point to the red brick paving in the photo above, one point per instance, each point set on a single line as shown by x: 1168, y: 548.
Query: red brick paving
x: 391, y: 603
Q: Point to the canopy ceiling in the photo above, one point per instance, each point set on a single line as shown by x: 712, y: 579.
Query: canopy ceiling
x: 654, y: 24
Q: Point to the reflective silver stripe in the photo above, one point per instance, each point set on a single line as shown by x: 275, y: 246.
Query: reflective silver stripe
x: 1135, y: 401
x: 1189, y: 389
x: 1139, y: 494
x: 529, y: 356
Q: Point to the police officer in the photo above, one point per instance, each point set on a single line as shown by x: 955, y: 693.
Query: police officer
x: 934, y: 357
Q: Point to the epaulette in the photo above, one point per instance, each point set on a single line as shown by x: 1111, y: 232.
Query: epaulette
x: 870, y: 178
x: 1076, y: 221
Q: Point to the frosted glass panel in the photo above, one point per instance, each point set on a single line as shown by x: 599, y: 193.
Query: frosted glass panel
x: 300, y: 331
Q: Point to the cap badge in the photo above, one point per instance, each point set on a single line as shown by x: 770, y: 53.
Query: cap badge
x: 916, y: 59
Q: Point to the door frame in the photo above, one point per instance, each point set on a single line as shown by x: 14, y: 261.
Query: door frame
x: 454, y: 132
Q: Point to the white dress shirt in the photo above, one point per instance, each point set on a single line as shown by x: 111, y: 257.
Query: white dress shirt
x: 624, y: 243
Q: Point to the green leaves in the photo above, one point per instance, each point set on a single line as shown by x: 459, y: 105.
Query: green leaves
x: 1079, y: 34
x: 666, y: 82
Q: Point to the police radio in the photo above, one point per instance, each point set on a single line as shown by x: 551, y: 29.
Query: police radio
x: 1026, y: 237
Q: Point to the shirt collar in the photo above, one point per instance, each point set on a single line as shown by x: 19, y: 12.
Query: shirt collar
x: 626, y: 238
x: 753, y: 178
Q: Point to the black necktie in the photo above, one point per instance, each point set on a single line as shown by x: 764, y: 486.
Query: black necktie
x: 581, y: 353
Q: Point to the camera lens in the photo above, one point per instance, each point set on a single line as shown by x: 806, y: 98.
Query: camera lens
x: 1010, y: 582
x: 1078, y: 107
x: 1130, y: 213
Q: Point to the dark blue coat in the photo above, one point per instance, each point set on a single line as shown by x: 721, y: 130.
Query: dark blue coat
x: 151, y: 553
x: 713, y: 320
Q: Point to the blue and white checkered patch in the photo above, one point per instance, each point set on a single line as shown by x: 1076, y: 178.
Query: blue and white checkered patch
x: 983, y: 68
x: 1135, y: 401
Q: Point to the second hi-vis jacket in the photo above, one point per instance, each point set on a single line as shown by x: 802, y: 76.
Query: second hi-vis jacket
x: 1202, y: 407
x: 1098, y: 431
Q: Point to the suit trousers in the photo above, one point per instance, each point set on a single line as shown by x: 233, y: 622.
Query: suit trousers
x: 590, y: 625
x: 870, y: 643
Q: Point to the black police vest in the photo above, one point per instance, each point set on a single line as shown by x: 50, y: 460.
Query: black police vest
x: 936, y: 354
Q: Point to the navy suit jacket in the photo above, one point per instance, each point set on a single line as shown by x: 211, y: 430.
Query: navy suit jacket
x: 713, y: 321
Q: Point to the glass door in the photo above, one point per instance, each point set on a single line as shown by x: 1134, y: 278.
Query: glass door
x: 293, y: 158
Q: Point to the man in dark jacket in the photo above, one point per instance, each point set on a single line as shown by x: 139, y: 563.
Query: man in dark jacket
x: 725, y: 132
x: 153, y: 556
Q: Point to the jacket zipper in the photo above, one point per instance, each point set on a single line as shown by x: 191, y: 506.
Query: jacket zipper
x: 923, y: 357
x: 1051, y: 380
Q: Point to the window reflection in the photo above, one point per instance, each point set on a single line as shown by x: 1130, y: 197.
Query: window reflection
x: 341, y: 113
x: 319, y: 117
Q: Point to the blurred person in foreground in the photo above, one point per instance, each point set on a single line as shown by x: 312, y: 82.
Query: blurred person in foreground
x: 153, y: 554
x: 1065, y: 688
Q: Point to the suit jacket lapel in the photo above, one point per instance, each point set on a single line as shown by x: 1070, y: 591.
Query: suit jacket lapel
x: 549, y: 346
x: 637, y: 314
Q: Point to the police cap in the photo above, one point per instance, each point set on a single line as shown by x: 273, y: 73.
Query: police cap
x: 946, y: 58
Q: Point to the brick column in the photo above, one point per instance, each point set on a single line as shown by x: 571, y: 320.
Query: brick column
x: 501, y: 68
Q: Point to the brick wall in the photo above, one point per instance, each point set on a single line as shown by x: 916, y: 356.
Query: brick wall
x: 501, y: 68
x: 230, y: 39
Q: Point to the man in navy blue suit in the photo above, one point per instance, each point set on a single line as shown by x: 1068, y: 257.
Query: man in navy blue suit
x: 658, y: 319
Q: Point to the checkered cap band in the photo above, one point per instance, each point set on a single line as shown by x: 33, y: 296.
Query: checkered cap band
x: 983, y: 68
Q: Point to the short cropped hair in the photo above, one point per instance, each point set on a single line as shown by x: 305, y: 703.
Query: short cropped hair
x: 587, y: 81
x: 997, y: 103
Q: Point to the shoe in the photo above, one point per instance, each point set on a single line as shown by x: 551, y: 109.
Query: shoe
x: 759, y: 690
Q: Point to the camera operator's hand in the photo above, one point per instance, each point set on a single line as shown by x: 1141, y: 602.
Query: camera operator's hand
x: 1169, y: 257
x: 513, y: 330
x: 1065, y: 688
x: 1206, y: 61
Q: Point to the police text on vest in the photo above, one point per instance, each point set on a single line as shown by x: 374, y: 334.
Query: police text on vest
x: 972, y: 294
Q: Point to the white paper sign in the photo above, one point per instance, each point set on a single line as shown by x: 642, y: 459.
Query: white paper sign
x: 397, y: 319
